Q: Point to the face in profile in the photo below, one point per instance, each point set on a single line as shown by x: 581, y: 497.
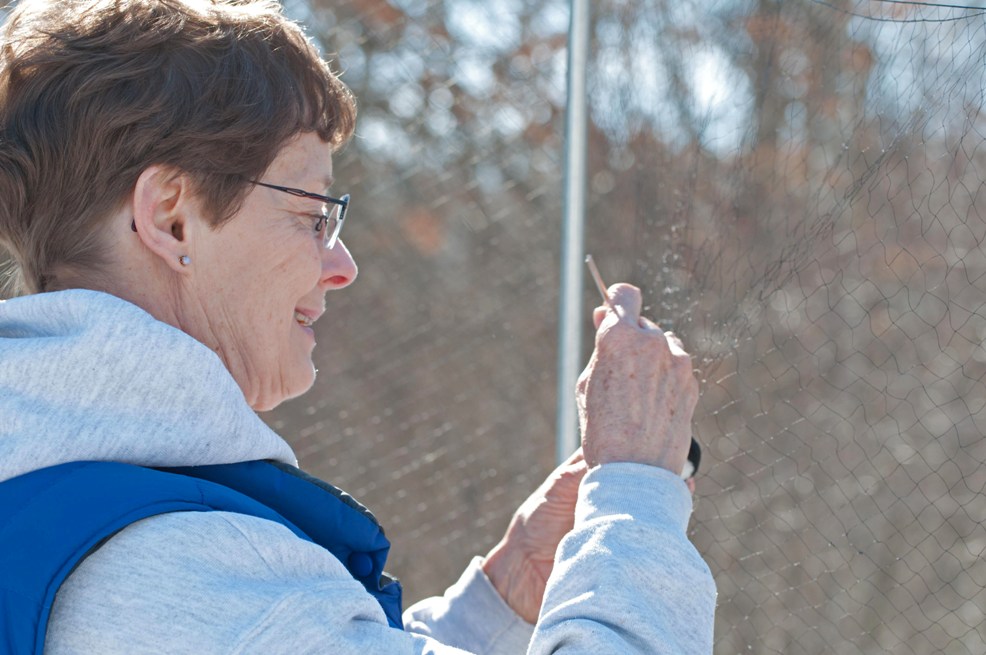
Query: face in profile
x: 263, y: 277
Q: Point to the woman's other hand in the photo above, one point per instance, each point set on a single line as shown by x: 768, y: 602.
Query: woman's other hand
x: 520, y: 564
x: 637, y: 395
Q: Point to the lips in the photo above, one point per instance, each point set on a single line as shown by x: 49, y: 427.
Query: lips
x: 305, y: 319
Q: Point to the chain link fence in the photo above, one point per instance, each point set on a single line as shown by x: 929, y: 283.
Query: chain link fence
x: 794, y: 184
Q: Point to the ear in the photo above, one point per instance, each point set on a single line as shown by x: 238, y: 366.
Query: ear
x: 164, y: 210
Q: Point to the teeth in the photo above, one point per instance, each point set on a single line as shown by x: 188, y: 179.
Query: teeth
x: 302, y: 319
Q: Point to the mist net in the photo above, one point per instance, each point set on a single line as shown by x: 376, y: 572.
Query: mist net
x: 796, y: 188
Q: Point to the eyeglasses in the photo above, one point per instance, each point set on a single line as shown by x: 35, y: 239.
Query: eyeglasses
x: 329, y: 224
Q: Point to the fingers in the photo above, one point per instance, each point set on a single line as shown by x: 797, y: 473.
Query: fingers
x: 626, y: 304
x: 571, y: 470
x: 626, y: 300
x: 574, y: 457
x: 598, y: 314
x: 677, y: 347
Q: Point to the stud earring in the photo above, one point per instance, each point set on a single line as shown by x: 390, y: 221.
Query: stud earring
x: 184, y: 260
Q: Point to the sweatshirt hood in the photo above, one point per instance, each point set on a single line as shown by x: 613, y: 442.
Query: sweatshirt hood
x: 87, y: 376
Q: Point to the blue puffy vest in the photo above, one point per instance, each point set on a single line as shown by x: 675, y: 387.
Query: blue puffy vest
x: 51, y: 519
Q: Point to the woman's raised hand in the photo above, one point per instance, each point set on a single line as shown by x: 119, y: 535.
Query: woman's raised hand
x: 637, y: 395
x: 636, y: 398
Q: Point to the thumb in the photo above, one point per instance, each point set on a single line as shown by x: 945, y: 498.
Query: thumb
x: 626, y: 299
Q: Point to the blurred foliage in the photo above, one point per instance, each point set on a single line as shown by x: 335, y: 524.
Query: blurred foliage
x: 794, y: 186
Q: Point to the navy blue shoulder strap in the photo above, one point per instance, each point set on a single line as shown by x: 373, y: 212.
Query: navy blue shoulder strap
x: 53, y: 518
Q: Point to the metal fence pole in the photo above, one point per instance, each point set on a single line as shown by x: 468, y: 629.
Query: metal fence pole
x: 573, y: 231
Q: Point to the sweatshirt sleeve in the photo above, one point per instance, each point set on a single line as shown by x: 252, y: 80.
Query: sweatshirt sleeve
x: 626, y: 578
x: 472, y: 615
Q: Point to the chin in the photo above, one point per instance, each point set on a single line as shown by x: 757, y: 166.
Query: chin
x: 301, y: 382
x: 292, y: 386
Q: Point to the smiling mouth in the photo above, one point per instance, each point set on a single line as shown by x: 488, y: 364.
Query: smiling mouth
x: 303, y: 320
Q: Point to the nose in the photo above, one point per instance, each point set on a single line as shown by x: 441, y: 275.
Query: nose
x: 338, y: 267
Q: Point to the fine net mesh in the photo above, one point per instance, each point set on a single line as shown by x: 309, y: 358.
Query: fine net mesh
x: 795, y: 185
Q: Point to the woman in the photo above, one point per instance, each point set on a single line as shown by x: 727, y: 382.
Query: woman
x: 164, y: 169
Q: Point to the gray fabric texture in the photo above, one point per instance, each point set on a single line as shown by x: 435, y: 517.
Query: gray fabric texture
x: 86, y: 376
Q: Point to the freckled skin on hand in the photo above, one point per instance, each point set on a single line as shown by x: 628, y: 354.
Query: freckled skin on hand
x: 626, y: 417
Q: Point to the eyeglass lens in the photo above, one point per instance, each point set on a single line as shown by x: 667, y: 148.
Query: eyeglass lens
x: 334, y: 217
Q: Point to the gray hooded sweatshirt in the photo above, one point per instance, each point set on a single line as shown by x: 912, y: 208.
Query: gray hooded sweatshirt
x: 87, y: 376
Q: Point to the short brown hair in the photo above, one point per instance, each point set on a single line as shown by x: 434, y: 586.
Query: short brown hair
x: 92, y: 92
